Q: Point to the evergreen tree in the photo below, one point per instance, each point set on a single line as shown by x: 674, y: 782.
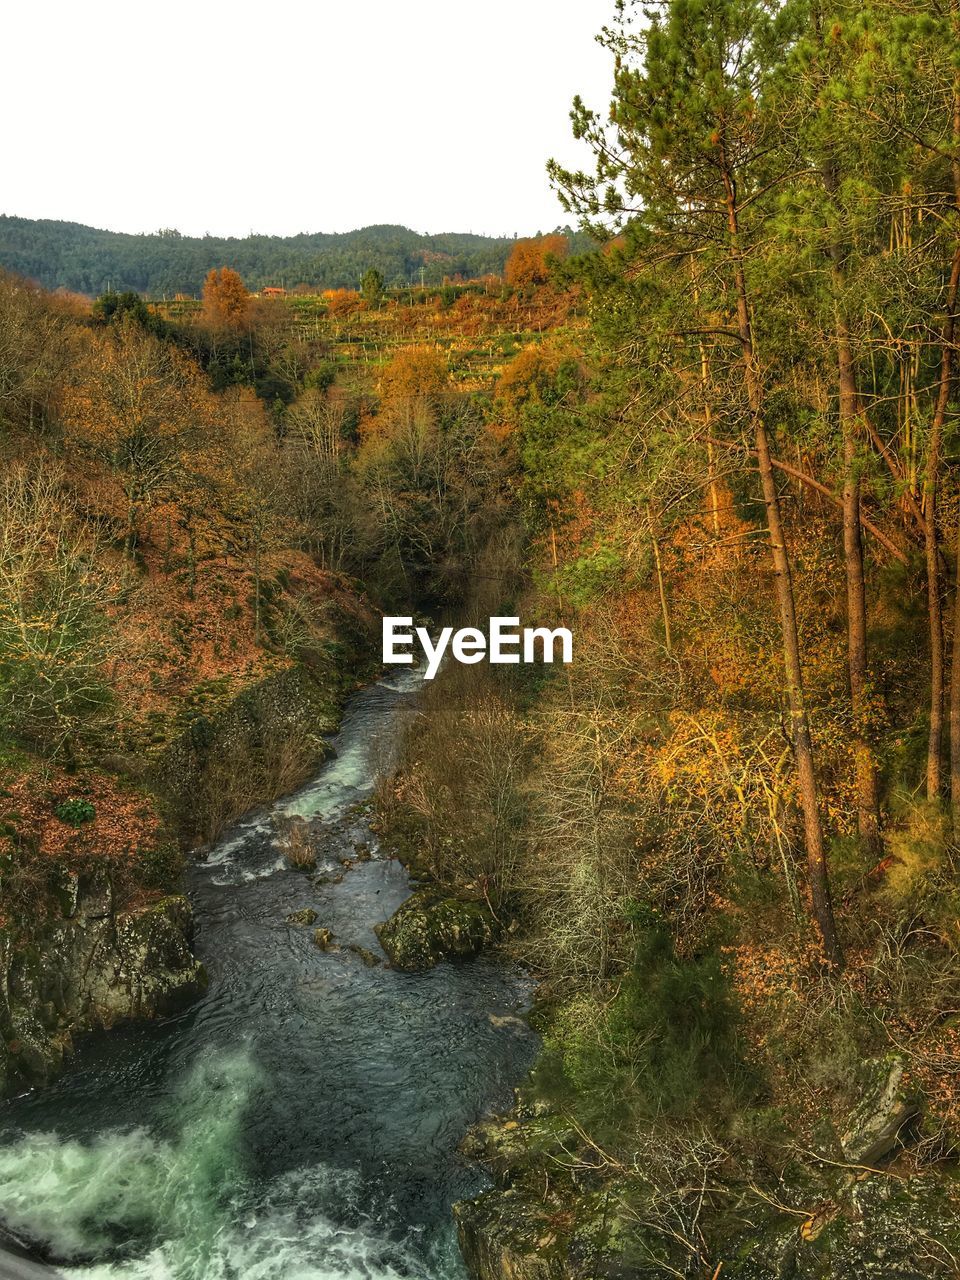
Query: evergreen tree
x: 688, y: 162
x: 371, y: 287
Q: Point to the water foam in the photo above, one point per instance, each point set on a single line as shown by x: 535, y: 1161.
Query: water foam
x: 183, y: 1208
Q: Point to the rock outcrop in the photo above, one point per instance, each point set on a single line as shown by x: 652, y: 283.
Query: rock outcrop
x: 554, y: 1213
x: 884, y: 1114
x: 429, y: 927
x: 534, y: 1223
x: 90, y: 963
x: 245, y: 749
x: 76, y: 958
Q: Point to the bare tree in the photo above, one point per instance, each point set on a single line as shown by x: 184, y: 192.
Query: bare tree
x: 54, y: 639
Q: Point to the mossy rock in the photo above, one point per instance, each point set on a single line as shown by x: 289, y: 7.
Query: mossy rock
x: 884, y: 1113
x: 429, y: 927
x: 304, y: 917
x: 90, y: 966
x: 504, y: 1235
x: 522, y: 1232
x: 877, y: 1228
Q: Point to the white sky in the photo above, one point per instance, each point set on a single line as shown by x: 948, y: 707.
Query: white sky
x: 228, y: 117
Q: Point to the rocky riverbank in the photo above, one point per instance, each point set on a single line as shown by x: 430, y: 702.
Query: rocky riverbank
x: 102, y: 934
x: 231, y: 753
x: 855, y: 1203
x: 94, y: 961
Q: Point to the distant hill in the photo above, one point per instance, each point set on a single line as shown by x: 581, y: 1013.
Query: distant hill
x: 86, y: 260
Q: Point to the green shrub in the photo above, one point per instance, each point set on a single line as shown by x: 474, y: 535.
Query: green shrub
x: 75, y: 812
x: 321, y: 376
x: 162, y: 866
x: 666, y: 1045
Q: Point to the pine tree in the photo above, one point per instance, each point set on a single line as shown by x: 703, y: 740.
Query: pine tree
x: 690, y: 155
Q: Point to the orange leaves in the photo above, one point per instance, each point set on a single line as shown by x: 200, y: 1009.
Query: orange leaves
x: 526, y: 375
x: 528, y: 263
x: 764, y: 974
x: 414, y: 372
x: 130, y: 386
x: 226, y: 301
x: 341, y: 301
x: 124, y: 821
x: 817, y: 1222
x: 937, y: 1072
x: 172, y: 471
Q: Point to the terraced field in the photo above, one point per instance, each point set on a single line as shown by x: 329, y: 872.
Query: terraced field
x: 479, y: 327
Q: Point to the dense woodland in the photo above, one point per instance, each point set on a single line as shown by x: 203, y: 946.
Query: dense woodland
x: 730, y: 828
x: 66, y: 255
x: 190, y: 502
x: 722, y: 448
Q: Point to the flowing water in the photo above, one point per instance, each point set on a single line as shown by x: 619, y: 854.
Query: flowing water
x: 302, y: 1120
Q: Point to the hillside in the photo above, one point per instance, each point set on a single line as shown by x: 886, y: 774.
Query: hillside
x: 67, y: 255
x: 725, y: 838
x: 201, y: 507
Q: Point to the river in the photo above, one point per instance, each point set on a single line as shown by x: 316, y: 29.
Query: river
x: 301, y: 1121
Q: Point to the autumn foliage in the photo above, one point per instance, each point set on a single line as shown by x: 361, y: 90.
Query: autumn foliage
x: 529, y: 263
x: 226, y: 300
x: 341, y: 301
x: 418, y: 371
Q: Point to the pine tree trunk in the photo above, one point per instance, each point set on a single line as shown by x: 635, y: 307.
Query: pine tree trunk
x: 851, y: 420
x: 934, y: 609
x: 868, y: 790
x: 955, y: 705
x: 931, y: 547
x: 796, y: 702
x: 940, y: 414
x: 661, y: 589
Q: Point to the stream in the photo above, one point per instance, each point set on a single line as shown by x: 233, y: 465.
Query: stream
x: 301, y: 1121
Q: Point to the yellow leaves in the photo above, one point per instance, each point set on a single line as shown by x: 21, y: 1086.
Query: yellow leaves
x: 919, y: 844
x: 527, y: 374
x: 141, y: 408
x: 813, y: 1226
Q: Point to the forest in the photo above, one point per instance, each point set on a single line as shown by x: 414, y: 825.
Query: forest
x: 65, y: 255
x: 714, y: 433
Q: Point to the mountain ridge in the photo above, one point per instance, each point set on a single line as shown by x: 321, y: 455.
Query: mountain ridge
x: 71, y: 255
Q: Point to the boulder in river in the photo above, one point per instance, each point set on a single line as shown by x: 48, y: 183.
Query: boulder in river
x: 323, y: 938
x: 305, y: 916
x: 429, y: 927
